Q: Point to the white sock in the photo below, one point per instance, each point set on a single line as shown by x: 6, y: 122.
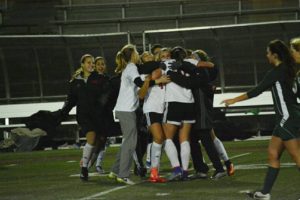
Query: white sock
x: 155, y: 154
x: 148, y: 155
x: 171, y: 152
x: 87, y: 154
x: 185, y: 151
x: 221, y: 149
x: 100, y: 158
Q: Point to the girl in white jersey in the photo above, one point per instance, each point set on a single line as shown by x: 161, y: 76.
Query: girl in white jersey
x: 126, y: 105
x: 179, y: 114
x: 154, y: 109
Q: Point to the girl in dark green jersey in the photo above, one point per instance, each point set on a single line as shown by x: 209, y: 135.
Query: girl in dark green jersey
x: 286, y: 132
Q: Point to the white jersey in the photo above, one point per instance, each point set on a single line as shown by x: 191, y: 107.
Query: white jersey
x: 191, y: 60
x: 128, y: 99
x: 176, y: 93
x: 155, y: 99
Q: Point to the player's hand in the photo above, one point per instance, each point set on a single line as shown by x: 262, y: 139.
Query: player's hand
x: 163, y: 80
x: 228, y: 102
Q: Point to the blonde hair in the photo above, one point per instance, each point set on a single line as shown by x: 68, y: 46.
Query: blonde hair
x: 79, y: 70
x: 85, y: 56
x: 145, y: 53
x: 295, y: 43
x: 76, y: 73
x: 165, y: 49
x: 123, y: 57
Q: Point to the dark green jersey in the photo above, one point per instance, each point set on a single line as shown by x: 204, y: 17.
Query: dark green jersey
x: 285, y: 101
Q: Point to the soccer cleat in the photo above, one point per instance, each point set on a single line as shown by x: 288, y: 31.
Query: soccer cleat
x: 100, y: 170
x: 230, y: 169
x: 200, y: 175
x: 155, y: 178
x: 260, y: 196
x: 125, y: 180
x: 140, y: 171
x: 176, y: 174
x: 217, y: 175
x: 185, y: 175
x: 112, y: 175
x: 84, y: 175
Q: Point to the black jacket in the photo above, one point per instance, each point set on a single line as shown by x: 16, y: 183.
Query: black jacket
x: 90, y: 97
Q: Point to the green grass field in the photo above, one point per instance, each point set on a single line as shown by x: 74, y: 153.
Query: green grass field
x: 47, y: 175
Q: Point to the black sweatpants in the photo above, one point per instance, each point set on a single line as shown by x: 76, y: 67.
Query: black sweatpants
x: 207, y: 142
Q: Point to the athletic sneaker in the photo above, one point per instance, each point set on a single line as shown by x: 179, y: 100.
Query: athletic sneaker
x: 176, y: 174
x: 229, y: 168
x: 112, y: 175
x: 155, y: 178
x: 100, y: 170
x: 261, y: 196
x: 217, y: 175
x: 185, y: 175
x: 200, y: 175
x: 125, y: 180
x: 84, y: 175
x: 140, y: 171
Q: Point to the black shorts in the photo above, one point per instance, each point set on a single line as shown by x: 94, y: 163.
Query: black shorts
x: 153, y: 117
x: 177, y: 113
x: 88, y: 124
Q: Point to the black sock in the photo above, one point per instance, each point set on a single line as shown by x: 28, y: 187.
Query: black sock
x: 227, y: 163
x: 270, y: 179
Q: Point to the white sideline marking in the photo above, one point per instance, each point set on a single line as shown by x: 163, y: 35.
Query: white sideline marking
x: 240, y: 155
x: 11, y: 165
x: 71, y: 161
x: 244, y: 191
x: 233, y: 157
x: 162, y: 194
x: 104, y: 193
x: 262, y: 166
x: 93, y: 174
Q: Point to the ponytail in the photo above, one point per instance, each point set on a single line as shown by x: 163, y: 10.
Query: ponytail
x: 121, y: 63
x: 123, y: 57
x: 284, y: 55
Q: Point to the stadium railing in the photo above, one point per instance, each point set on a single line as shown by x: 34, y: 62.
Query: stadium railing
x: 25, y: 110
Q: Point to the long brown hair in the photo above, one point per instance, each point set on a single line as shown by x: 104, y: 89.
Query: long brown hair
x: 284, y: 55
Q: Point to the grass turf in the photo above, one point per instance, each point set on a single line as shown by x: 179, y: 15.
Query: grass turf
x: 46, y: 175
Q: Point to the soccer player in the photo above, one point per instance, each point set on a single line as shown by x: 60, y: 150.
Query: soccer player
x: 88, y: 92
x: 153, y: 109
x: 127, y: 103
x: 285, y: 135
x: 179, y: 115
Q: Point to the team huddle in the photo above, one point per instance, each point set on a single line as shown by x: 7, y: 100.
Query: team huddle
x: 175, y: 89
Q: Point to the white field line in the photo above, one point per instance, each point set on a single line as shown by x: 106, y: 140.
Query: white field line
x: 262, y: 166
x: 240, y: 155
x: 233, y: 157
x: 104, y: 193
x: 91, y: 174
x: 108, y: 191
